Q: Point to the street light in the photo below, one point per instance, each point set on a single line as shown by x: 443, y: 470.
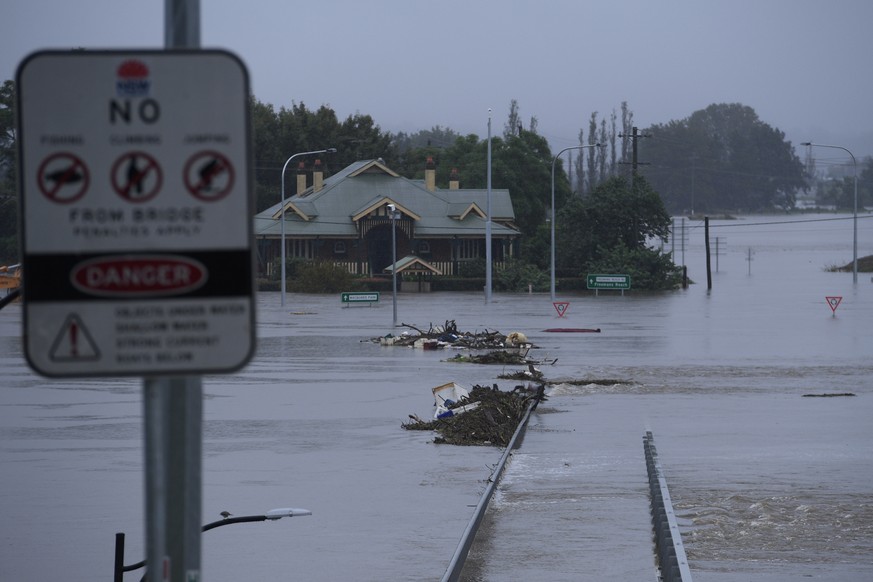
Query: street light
x: 579, y: 147
x: 271, y: 515
x: 855, y: 211
x: 282, y: 209
x: 394, y: 216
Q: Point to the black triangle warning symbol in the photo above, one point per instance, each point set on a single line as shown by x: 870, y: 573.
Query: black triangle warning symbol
x: 74, y: 343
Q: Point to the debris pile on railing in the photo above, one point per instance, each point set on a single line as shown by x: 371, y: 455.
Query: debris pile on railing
x: 447, y: 335
x: 489, y: 417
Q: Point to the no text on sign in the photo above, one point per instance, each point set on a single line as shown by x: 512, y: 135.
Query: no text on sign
x: 609, y: 281
x: 135, y: 203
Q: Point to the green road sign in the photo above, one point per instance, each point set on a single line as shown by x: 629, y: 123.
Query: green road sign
x: 360, y: 297
x: 609, y: 281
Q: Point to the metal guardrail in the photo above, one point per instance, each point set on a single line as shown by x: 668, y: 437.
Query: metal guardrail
x: 668, y: 542
x: 453, y: 572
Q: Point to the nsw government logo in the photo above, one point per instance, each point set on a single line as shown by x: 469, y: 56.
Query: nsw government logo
x: 133, y: 79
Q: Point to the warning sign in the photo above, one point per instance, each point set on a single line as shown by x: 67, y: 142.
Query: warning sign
x: 74, y: 343
x: 561, y: 307
x: 834, y: 302
x: 63, y: 178
x: 136, y: 208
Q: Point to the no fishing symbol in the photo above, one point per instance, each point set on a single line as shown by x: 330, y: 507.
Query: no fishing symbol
x: 63, y: 178
x: 834, y: 302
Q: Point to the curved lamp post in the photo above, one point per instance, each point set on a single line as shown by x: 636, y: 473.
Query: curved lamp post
x: 855, y: 211
x: 282, y: 208
x: 271, y: 515
x: 579, y: 147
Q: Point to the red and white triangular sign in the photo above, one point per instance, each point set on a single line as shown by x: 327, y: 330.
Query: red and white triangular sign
x: 561, y: 307
x: 74, y: 343
x: 834, y: 302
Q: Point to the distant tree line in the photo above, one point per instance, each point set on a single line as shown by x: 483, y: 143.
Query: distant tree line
x: 720, y: 158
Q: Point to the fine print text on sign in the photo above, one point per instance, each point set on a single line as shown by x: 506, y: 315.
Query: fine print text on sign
x: 135, y: 205
x: 609, y: 281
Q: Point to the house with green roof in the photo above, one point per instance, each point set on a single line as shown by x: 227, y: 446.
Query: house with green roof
x: 345, y: 219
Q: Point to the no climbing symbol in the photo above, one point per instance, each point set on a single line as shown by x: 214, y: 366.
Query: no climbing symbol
x: 73, y: 343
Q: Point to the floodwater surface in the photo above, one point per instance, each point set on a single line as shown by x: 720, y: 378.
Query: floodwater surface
x: 768, y: 483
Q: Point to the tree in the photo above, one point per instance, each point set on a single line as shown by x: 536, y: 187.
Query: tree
x: 280, y: 134
x: 722, y: 158
x: 612, y: 226
x: 8, y: 199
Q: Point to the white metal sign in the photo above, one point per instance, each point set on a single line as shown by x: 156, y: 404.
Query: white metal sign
x: 136, y: 212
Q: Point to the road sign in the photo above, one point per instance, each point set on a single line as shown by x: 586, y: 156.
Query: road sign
x: 609, y: 281
x: 834, y: 302
x: 359, y: 297
x: 136, y: 212
x: 561, y: 307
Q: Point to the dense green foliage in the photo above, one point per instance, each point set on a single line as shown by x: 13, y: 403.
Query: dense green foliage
x: 8, y: 199
x: 320, y: 277
x: 722, y: 158
x: 608, y: 231
x: 280, y: 134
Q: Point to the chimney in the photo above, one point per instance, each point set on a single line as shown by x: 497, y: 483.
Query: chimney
x: 301, y: 177
x: 454, y: 180
x: 317, y: 177
x: 430, y: 174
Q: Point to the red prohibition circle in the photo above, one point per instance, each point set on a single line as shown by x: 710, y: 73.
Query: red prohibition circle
x: 54, y: 178
x: 131, y: 186
x: 200, y: 171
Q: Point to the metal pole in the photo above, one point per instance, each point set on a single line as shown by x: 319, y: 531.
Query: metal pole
x: 394, y: 263
x: 173, y: 466
x: 554, y: 161
x: 855, y: 209
x: 488, y: 221
x: 282, y: 209
x: 173, y: 416
x: 118, y: 571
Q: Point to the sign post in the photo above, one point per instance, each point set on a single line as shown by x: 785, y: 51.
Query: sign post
x: 137, y: 246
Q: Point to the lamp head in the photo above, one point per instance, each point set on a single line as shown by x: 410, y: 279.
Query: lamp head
x: 392, y: 208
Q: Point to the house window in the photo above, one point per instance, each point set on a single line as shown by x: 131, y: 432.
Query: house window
x: 424, y: 248
x: 468, y: 249
x: 339, y: 248
x: 299, y: 249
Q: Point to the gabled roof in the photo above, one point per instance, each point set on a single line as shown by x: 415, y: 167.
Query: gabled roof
x: 367, y: 186
x: 411, y: 263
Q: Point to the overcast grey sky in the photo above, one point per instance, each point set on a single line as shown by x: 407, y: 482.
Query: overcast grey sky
x: 803, y: 65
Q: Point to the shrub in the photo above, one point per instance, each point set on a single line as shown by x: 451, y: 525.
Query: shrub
x: 320, y: 277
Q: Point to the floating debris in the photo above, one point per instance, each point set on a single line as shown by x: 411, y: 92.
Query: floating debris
x: 447, y: 335
x: 491, y: 422
x: 828, y: 395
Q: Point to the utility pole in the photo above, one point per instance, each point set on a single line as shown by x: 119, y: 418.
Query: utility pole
x: 635, y: 136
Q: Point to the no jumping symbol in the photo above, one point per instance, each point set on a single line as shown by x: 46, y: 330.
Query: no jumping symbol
x: 209, y: 176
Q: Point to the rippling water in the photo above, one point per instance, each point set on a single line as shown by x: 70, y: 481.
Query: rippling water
x: 768, y: 484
